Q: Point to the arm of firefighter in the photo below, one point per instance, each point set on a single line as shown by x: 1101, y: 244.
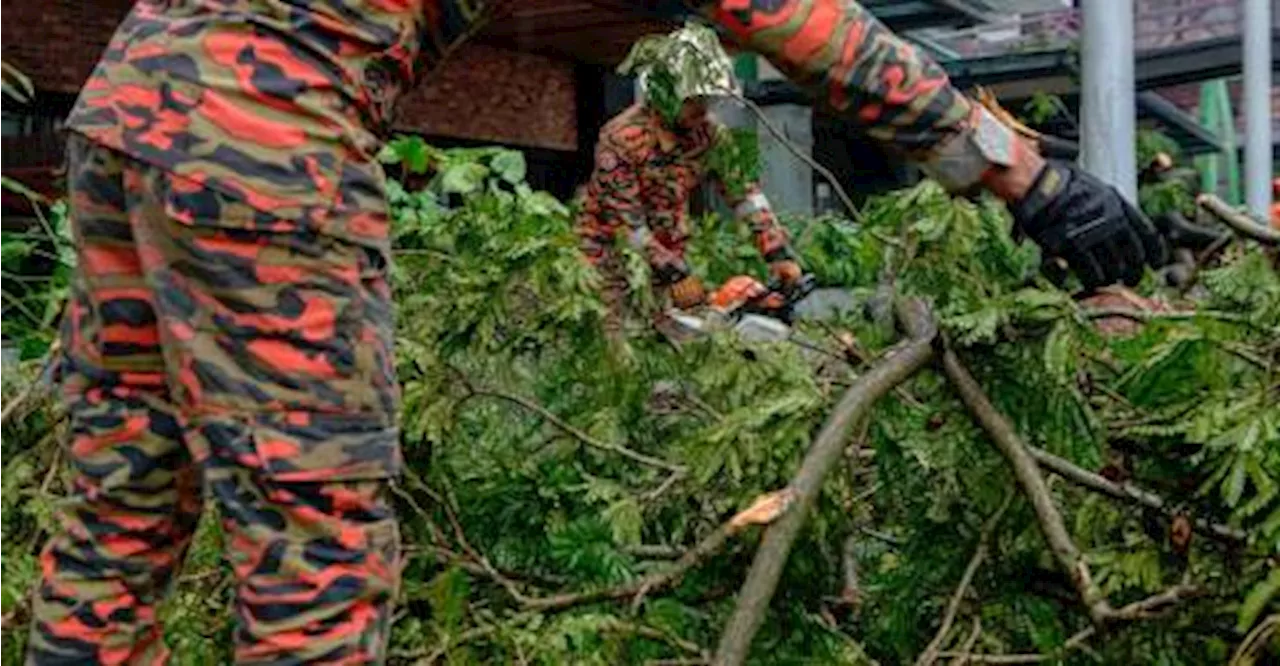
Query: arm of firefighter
x: 614, y: 203
x: 752, y: 206
x: 855, y: 65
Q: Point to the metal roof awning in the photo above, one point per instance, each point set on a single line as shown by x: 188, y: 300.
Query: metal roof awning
x: 602, y: 31
x: 903, y: 15
x: 1152, y: 108
x: 1196, y: 40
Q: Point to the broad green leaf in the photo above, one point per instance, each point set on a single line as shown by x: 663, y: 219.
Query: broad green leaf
x: 510, y: 166
x: 463, y: 178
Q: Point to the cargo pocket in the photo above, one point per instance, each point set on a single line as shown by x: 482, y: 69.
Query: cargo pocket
x: 300, y: 446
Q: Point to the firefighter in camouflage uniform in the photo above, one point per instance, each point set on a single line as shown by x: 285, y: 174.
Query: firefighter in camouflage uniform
x: 648, y: 162
x: 229, y: 334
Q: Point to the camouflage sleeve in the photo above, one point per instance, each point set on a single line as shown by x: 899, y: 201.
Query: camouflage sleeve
x: 753, y: 206
x: 853, y: 64
x: 614, y: 203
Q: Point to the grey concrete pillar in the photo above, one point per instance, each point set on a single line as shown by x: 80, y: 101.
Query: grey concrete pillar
x: 787, y: 181
x: 1108, y: 108
x: 1257, y: 106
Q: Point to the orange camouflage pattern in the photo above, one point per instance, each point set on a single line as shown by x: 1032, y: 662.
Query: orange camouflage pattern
x: 853, y: 64
x: 254, y: 364
x: 645, y: 173
x: 280, y: 104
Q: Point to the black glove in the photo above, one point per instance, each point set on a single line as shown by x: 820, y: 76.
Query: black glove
x: 1078, y: 218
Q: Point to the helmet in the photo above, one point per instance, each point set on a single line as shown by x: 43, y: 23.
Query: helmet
x: 689, y: 62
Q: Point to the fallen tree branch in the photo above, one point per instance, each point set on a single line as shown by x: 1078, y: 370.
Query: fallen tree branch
x: 1156, y: 604
x: 1126, y: 491
x: 766, y: 569
x: 1027, y: 472
x: 930, y: 654
x: 1241, y: 223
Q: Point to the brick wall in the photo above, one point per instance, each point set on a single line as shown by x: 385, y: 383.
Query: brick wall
x: 482, y: 93
x: 491, y: 94
x: 57, y: 42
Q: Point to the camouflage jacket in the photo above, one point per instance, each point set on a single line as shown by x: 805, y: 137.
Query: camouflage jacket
x: 280, y: 103
x: 644, y: 175
x: 277, y: 103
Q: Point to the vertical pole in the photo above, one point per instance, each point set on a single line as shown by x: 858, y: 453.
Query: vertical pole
x: 1257, y: 106
x: 1231, y: 146
x: 1108, y: 107
x: 1207, y: 165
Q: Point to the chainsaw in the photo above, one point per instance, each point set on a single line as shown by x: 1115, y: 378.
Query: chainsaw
x: 763, y: 317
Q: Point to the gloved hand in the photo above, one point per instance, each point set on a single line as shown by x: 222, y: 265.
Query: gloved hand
x: 1078, y: 218
x: 785, y: 272
x: 740, y: 290
x: 688, y: 293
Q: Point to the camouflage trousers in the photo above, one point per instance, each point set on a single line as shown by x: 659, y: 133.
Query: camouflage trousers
x: 208, y: 358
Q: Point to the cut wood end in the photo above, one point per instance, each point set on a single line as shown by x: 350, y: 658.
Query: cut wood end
x: 765, y: 509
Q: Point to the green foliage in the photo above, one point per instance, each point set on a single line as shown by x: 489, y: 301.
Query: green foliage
x: 735, y: 159
x: 16, y: 85
x: 689, y: 62
x: 540, y: 463
x: 1043, y: 107
x: 37, y: 264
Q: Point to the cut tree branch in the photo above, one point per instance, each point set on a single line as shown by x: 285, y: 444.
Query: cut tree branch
x: 1241, y: 223
x: 1128, y: 492
x: 1026, y: 469
x: 766, y: 569
x: 1027, y: 472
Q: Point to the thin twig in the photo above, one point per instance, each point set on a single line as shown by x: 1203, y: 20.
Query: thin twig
x: 662, y: 489
x: 969, y: 642
x: 577, y: 434
x: 930, y: 654
x: 1139, y: 610
x: 34, y: 389
x: 656, y: 634
x: 1255, y: 641
x: 1126, y: 491
x: 800, y: 155
x: 851, y: 591
x: 766, y: 569
x: 1146, y: 316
